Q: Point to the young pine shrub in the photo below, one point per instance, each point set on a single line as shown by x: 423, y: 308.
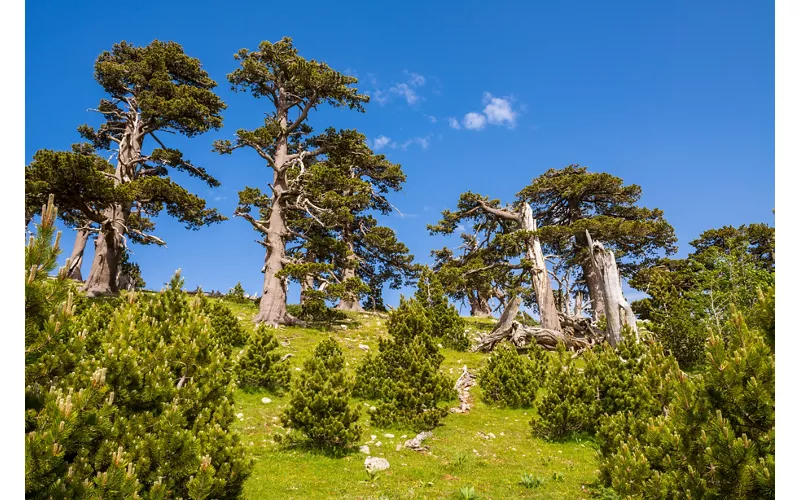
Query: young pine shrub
x: 319, y: 407
x: 511, y: 380
x: 225, y: 325
x: 568, y: 405
x: 404, y: 377
x: 446, y: 324
x: 260, y: 366
x: 717, y: 437
x: 132, y: 412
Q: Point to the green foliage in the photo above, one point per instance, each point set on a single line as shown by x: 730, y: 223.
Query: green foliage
x: 404, y: 377
x: 568, y: 405
x: 225, y: 326
x: 236, y: 294
x: 319, y: 405
x: 467, y: 493
x: 446, y: 324
x: 716, y: 438
x: 529, y: 481
x: 129, y: 408
x: 689, y: 296
x: 260, y: 366
x: 511, y: 380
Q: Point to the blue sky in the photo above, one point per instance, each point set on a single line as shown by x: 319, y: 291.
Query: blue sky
x: 677, y: 97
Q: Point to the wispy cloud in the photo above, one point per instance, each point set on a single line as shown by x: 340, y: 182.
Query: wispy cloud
x: 496, y: 111
x: 381, y: 142
x: 431, y: 118
x: 423, y: 142
x: 406, y: 90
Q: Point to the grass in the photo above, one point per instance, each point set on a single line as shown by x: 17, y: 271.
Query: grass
x: 460, y: 457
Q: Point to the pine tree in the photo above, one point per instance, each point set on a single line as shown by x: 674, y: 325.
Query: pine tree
x: 568, y: 405
x: 716, y: 439
x: 260, y: 366
x: 319, y: 404
x: 446, y: 324
x: 510, y: 379
x: 404, y: 377
x: 129, y: 407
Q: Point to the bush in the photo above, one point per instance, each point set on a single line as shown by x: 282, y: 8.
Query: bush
x: 140, y: 410
x: 717, y: 437
x: 404, y: 376
x: 236, y: 294
x: 568, y: 405
x: 226, y: 328
x: 511, y: 380
x: 260, y: 366
x: 446, y: 324
x: 319, y: 405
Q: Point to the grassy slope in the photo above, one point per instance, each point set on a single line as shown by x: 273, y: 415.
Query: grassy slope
x: 459, y: 456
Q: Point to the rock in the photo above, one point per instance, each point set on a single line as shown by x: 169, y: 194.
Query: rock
x: 440, y: 346
x: 363, y: 347
x: 297, y: 369
x: 266, y: 401
x: 390, y: 436
x: 373, y: 437
x: 416, y: 443
x: 240, y: 416
x: 364, y: 449
x: 378, y: 444
x: 375, y: 464
x: 403, y: 436
x: 372, y: 409
x: 398, y: 447
x: 491, y: 435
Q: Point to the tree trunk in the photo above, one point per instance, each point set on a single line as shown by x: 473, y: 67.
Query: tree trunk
x: 548, y: 313
x: 617, y: 310
x: 594, y: 281
x: 306, y: 285
x: 76, y: 259
x: 272, y: 308
x: 109, y: 246
x: 350, y: 303
x: 479, y: 305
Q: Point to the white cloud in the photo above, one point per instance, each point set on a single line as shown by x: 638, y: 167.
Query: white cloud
x: 474, y: 121
x: 431, y: 118
x: 416, y: 80
x: 498, y: 111
x: 381, y: 141
x: 380, y: 97
x: 460, y: 228
x: 454, y: 123
x: 423, y: 142
x: 405, y: 90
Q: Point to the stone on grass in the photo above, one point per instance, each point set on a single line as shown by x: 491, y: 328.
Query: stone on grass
x: 375, y: 464
x: 266, y: 400
x: 364, y: 449
x: 363, y: 347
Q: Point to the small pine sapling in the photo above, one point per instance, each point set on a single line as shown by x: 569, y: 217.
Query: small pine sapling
x: 260, y: 366
x: 510, y: 379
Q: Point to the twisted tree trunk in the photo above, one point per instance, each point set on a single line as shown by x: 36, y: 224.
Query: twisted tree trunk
x: 617, y: 310
x: 102, y: 280
x: 594, y: 281
x: 548, y: 313
x: 350, y: 303
x: 479, y: 305
x: 76, y: 258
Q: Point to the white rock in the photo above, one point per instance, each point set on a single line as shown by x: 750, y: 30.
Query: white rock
x: 390, y: 436
x: 240, y: 415
x: 266, y: 400
x: 364, y: 449
x: 297, y: 369
x: 403, y: 436
x: 372, y: 409
x: 373, y: 437
x: 398, y: 447
x: 491, y: 435
x: 378, y: 444
x: 363, y: 347
x: 375, y: 464
x: 440, y: 346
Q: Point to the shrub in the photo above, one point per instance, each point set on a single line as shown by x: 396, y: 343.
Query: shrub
x: 319, y: 405
x: 510, y: 379
x: 717, y: 437
x: 135, y: 411
x: 226, y: 328
x: 236, y: 294
x: 260, y: 366
x: 446, y: 324
x: 568, y: 403
x: 404, y: 376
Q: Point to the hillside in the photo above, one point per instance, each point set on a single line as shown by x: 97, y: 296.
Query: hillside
x: 462, y: 451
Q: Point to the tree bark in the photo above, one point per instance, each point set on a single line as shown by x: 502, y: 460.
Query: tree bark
x: 102, y: 280
x: 104, y: 274
x: 594, y: 281
x: 306, y: 285
x: 76, y: 259
x: 479, y: 305
x: 548, y: 313
x: 617, y: 310
x: 272, y: 308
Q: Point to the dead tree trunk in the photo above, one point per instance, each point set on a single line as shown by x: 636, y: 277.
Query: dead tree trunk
x: 594, y: 281
x: 76, y: 258
x: 548, y: 312
x: 306, y: 286
x: 618, y: 311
